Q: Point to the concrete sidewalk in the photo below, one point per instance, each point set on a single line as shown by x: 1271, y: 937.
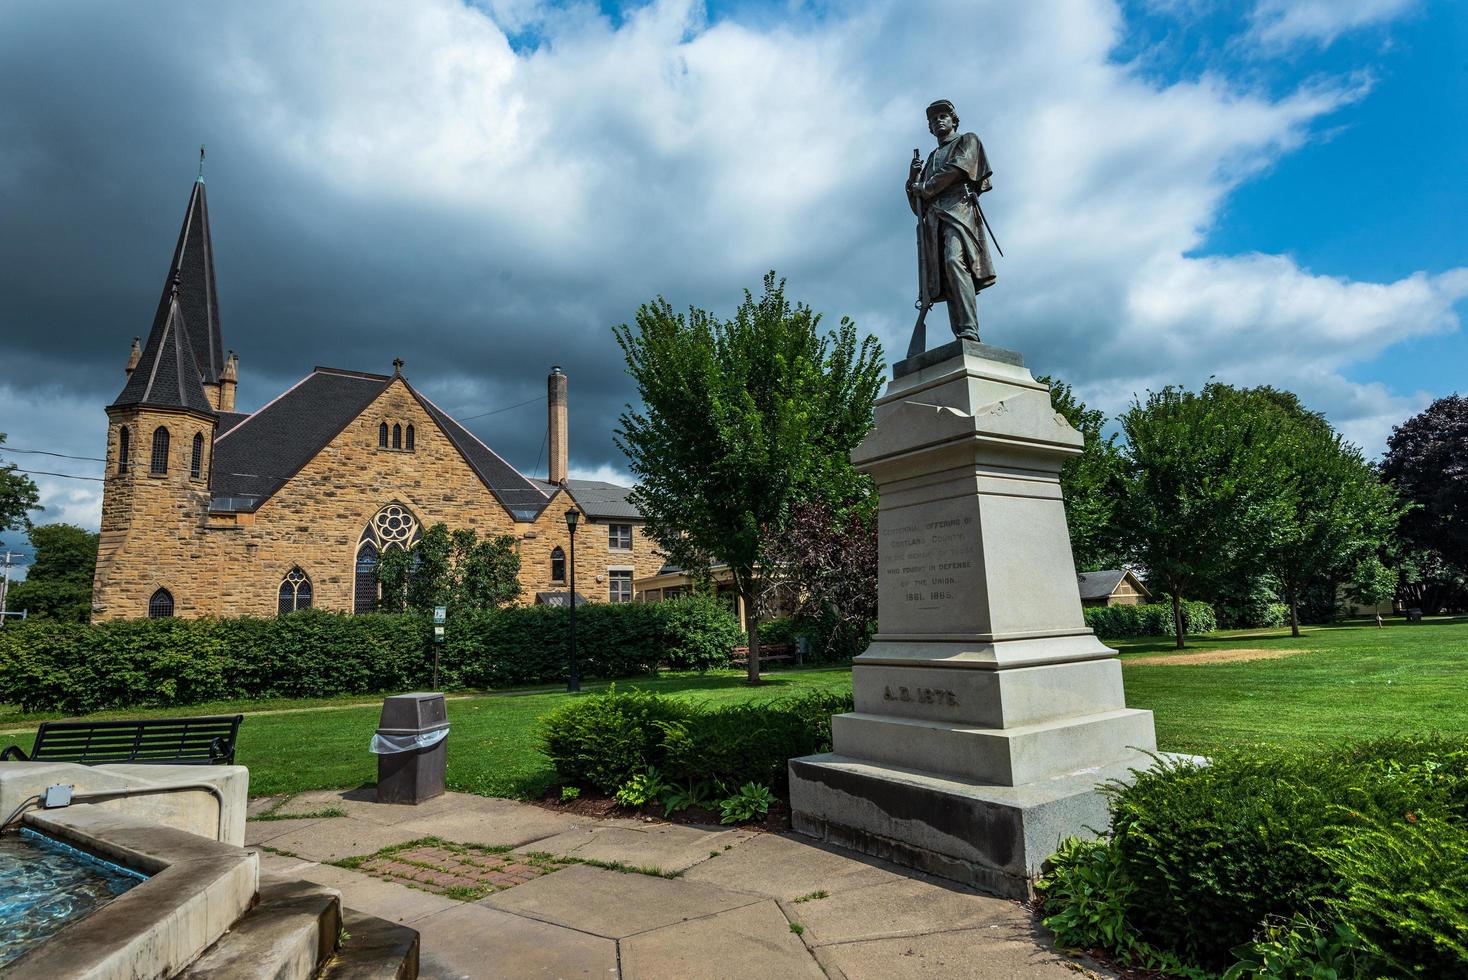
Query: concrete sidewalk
x: 510, y: 889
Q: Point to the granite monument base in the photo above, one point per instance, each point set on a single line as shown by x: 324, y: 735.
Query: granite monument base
x: 994, y: 838
x: 986, y: 713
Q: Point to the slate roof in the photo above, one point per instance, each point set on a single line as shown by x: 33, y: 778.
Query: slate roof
x: 1099, y: 585
x: 598, y: 500
x: 193, y: 261
x: 167, y: 375
x: 255, y: 457
x: 228, y: 420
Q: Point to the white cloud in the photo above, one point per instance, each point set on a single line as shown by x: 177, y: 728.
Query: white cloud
x: 605, y: 474
x: 1282, y: 22
x: 489, y: 197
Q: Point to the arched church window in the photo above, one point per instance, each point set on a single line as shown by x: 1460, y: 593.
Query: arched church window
x: 392, y: 527
x: 397, y: 436
x: 558, y: 564
x: 160, y: 451
x: 382, y: 436
x: 160, y: 606
x: 409, y: 443
x: 124, y: 448
x: 295, y: 592
x: 196, y: 462
x: 364, y: 593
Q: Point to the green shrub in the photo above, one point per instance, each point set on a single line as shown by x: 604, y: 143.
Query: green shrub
x: 752, y: 802
x: 700, y: 632
x: 1149, y: 619
x: 73, y: 667
x: 1211, y: 853
x: 1085, y: 898
x: 1405, y: 884
x: 1299, y: 950
x: 605, y: 740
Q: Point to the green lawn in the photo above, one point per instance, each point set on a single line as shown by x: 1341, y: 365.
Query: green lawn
x: 1354, y: 681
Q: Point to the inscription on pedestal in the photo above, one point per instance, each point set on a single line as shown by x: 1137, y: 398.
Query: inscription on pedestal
x: 928, y: 556
x: 920, y: 695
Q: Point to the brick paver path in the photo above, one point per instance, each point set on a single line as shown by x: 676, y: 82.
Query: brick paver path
x: 504, y: 889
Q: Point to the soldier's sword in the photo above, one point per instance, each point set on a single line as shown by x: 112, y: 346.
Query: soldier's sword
x: 985, y: 219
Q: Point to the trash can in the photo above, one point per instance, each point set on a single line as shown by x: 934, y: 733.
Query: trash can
x: 411, y: 747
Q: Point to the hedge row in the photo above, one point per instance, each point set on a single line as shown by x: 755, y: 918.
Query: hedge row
x: 72, y: 667
x: 1152, y: 619
x: 604, y: 740
x: 1349, y: 862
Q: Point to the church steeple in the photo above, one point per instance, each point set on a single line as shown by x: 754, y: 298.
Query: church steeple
x: 198, y: 300
x: 166, y: 375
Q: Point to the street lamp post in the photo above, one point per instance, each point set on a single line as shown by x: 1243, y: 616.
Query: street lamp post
x: 574, y: 684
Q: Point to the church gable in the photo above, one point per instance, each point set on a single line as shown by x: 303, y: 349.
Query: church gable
x: 395, y: 449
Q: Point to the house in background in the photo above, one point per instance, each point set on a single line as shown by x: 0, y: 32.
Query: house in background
x: 1112, y: 587
x: 670, y: 581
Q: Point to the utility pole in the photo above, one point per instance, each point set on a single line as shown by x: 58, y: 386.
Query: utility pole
x: 5, y: 584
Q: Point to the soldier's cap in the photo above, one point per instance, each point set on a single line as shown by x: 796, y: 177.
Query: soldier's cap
x: 940, y: 106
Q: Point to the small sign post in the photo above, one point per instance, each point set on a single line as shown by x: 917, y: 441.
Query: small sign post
x: 440, y: 614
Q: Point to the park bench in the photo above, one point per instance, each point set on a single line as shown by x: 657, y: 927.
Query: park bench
x: 200, y: 741
x: 771, y: 653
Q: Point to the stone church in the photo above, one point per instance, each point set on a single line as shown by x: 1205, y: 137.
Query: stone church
x: 207, y: 511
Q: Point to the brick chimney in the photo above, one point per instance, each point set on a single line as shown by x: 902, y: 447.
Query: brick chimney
x: 555, y: 387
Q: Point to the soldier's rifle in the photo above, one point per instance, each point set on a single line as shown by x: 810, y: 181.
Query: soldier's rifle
x: 919, y: 341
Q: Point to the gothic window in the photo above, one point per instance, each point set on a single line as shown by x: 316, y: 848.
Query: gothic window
x: 409, y: 444
x: 558, y: 565
x: 160, y: 451
x: 196, y: 463
x: 124, y: 447
x: 397, y: 436
x: 382, y: 436
x: 295, y: 592
x: 392, y: 527
x: 364, y: 595
x: 160, y: 606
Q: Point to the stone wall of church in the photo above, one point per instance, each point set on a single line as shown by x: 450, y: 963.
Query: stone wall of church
x: 149, y: 521
x: 232, y: 565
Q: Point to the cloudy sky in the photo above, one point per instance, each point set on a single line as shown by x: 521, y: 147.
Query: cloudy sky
x: 1265, y: 191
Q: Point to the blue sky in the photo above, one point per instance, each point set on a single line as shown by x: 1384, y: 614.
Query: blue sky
x: 1262, y: 191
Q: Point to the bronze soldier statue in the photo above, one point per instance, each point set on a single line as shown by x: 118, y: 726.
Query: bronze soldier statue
x: 953, y: 253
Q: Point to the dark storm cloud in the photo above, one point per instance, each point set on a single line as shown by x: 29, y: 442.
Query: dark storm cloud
x: 389, y: 179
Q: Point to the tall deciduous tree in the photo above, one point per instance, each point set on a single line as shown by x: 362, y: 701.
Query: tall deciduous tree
x: 1204, y: 488
x: 1091, y: 483
x: 58, y: 585
x: 740, y: 419
x: 18, y: 497
x: 1427, y: 460
x: 1338, y: 512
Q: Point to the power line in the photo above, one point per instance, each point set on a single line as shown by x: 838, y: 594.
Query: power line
x: 69, y: 476
x: 468, y: 418
x: 43, y: 452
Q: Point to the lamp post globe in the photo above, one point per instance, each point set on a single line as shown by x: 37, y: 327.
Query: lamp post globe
x: 574, y: 684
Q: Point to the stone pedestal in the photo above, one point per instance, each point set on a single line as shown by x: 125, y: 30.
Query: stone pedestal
x: 986, y: 711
